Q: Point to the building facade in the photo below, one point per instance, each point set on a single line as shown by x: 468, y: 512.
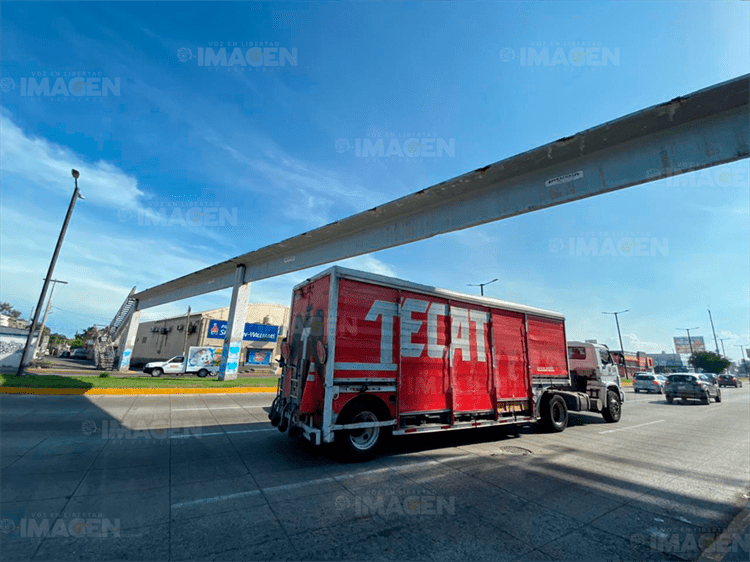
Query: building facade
x: 635, y: 362
x: 668, y: 360
x: 266, y: 325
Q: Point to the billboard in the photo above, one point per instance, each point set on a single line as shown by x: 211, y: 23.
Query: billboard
x: 253, y: 332
x: 258, y: 357
x: 682, y: 344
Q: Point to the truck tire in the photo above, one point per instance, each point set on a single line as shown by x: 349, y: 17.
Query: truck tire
x: 203, y: 373
x: 613, y: 410
x: 554, y: 412
x: 359, y: 445
x: 718, y: 397
x: 157, y: 372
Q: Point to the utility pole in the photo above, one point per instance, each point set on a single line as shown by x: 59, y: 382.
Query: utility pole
x: 40, y: 339
x: 622, y: 349
x: 187, y: 330
x: 27, y: 348
x: 714, y: 331
x: 481, y: 285
x: 690, y: 341
x: 722, y: 340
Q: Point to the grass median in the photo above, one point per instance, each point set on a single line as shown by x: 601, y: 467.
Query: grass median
x: 90, y: 382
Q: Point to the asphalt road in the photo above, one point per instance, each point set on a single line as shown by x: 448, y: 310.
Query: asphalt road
x: 205, y: 477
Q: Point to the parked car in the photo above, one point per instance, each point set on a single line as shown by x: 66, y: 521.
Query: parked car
x: 730, y: 380
x: 79, y: 353
x: 648, y: 382
x: 691, y: 386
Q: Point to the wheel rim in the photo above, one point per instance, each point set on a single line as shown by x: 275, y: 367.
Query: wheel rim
x: 364, y: 438
x: 557, y: 413
x: 614, y: 407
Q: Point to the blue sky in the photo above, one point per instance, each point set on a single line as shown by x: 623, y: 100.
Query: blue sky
x: 235, y: 158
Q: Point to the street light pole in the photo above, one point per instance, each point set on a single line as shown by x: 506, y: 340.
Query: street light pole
x: 187, y: 330
x: 617, y: 321
x: 722, y: 340
x: 44, y: 318
x: 480, y: 285
x: 48, y: 279
x: 690, y: 341
x: 714, y: 331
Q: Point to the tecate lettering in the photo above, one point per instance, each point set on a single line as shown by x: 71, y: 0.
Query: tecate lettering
x: 464, y: 324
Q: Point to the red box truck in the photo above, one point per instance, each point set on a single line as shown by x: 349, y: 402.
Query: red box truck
x: 370, y: 356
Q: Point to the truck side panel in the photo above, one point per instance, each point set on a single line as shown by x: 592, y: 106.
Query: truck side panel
x: 512, y: 373
x: 365, y: 333
x: 424, y: 360
x: 547, y: 348
x: 471, y: 369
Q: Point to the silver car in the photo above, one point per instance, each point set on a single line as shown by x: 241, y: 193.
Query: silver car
x: 648, y: 382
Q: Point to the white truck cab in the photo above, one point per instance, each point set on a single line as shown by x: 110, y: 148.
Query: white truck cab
x: 594, y: 371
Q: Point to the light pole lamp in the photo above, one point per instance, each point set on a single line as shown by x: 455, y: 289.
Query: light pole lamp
x: 25, y: 358
x: 617, y: 321
x: 480, y: 285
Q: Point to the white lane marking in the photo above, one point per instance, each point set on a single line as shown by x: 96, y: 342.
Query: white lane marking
x: 631, y: 427
x: 296, y: 485
x: 220, y: 433
x: 207, y: 408
x: 215, y: 499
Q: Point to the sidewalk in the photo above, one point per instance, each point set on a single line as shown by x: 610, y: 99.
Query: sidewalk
x: 734, y: 542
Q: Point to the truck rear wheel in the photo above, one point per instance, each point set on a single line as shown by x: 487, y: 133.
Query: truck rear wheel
x: 613, y: 410
x: 356, y: 445
x: 554, y: 414
x: 156, y: 372
x: 203, y: 373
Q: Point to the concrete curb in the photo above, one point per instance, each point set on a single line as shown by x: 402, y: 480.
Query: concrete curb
x: 132, y: 391
x: 733, y: 543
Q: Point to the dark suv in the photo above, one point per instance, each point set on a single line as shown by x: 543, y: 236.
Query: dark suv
x: 691, y: 386
x: 730, y: 380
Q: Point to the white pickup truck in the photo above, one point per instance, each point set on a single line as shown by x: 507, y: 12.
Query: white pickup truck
x: 202, y: 361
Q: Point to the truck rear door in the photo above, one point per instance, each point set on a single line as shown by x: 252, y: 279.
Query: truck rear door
x: 308, y: 327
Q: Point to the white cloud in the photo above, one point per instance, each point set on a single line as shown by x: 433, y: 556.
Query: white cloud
x: 48, y: 166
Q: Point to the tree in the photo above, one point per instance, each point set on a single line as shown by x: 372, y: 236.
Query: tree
x: 76, y: 343
x: 709, y: 361
x: 7, y: 308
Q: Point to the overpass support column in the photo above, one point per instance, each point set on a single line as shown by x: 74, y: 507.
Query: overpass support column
x: 128, y: 340
x: 230, y: 355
